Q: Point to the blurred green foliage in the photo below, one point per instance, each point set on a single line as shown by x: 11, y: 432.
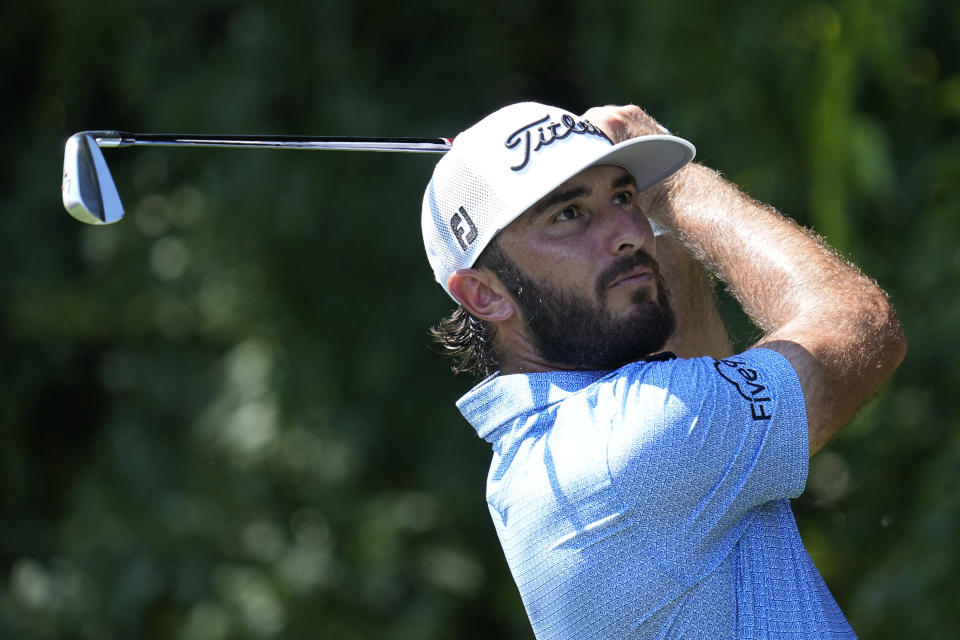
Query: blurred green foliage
x: 222, y: 418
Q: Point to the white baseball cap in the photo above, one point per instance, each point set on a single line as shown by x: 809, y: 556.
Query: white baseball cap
x: 507, y: 162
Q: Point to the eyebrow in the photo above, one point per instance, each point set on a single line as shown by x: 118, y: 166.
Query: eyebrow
x: 557, y: 197
x: 623, y: 181
x: 553, y: 199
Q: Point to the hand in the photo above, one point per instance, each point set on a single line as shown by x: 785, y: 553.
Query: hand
x: 624, y: 122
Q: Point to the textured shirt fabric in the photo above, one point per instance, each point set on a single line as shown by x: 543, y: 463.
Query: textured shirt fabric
x: 653, y: 501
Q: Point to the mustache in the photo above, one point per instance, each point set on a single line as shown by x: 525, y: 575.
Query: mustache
x: 624, y: 265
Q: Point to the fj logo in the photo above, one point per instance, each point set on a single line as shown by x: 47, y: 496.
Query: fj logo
x: 464, y: 235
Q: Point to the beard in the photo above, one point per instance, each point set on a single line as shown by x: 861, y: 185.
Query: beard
x: 569, y: 328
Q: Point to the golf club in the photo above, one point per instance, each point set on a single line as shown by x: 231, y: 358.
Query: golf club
x: 90, y: 195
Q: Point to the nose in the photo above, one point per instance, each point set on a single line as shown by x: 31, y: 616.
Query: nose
x: 629, y: 231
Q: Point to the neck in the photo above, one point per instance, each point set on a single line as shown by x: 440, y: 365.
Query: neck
x: 515, y: 353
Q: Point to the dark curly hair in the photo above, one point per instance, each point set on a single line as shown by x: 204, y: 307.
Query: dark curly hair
x: 466, y: 338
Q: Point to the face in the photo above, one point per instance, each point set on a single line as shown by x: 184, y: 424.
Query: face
x: 581, y: 266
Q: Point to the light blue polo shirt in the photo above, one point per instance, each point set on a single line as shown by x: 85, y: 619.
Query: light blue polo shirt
x: 653, y: 501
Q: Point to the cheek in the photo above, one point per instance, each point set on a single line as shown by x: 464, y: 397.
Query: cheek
x: 568, y: 264
x: 568, y: 272
x: 548, y: 263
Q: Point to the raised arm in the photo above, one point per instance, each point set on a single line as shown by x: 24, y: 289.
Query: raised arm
x: 834, y: 324
x: 700, y: 330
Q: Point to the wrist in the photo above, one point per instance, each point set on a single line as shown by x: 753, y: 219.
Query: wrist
x: 660, y: 202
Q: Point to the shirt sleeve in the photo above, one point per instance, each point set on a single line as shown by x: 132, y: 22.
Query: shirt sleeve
x: 696, y: 445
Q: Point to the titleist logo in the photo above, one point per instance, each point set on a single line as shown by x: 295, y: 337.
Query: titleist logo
x: 548, y: 134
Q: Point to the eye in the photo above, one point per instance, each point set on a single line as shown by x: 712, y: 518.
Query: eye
x: 566, y: 214
x: 623, y: 197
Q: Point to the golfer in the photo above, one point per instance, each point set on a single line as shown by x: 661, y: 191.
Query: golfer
x: 641, y: 471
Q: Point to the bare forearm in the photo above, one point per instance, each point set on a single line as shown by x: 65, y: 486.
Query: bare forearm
x: 776, y: 270
x: 700, y: 330
x: 833, y: 323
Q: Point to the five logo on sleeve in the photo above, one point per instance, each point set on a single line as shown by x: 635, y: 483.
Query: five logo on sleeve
x: 748, y: 384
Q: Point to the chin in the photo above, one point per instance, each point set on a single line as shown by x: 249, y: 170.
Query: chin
x: 642, y: 310
x: 646, y: 294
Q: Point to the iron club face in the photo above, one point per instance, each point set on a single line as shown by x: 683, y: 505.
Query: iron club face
x: 89, y: 194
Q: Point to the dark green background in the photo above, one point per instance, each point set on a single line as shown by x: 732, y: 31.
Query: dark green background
x: 222, y: 418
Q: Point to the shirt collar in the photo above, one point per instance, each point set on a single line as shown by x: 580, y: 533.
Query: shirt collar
x: 494, y: 404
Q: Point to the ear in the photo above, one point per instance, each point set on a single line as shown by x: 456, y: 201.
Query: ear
x: 482, y: 294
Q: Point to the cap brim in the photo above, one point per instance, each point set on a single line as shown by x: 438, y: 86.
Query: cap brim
x: 649, y: 159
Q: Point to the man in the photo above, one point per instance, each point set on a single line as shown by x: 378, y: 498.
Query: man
x: 638, y: 494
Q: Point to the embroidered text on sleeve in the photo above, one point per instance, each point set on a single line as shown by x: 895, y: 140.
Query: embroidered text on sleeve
x: 749, y: 384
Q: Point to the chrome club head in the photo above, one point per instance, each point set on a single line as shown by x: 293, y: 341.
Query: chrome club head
x: 89, y: 194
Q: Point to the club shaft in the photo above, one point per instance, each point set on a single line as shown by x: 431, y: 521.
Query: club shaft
x: 113, y: 139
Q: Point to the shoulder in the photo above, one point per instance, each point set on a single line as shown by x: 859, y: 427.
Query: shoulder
x: 734, y: 429
x: 749, y: 373
x: 667, y: 402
